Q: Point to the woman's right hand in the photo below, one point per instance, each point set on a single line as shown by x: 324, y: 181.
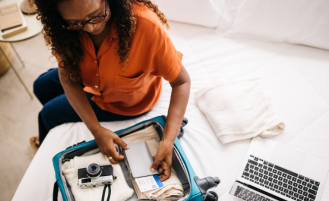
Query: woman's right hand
x: 106, y: 141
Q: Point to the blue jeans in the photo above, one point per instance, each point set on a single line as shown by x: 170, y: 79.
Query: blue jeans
x: 56, y: 108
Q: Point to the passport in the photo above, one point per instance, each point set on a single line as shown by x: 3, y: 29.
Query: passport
x: 139, y: 160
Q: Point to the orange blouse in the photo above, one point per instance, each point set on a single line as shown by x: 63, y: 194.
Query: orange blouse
x: 137, y: 89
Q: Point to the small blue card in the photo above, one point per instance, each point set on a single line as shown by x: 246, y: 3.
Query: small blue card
x: 149, y: 183
x: 158, y: 181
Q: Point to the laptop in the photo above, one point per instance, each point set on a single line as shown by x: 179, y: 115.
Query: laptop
x: 274, y: 172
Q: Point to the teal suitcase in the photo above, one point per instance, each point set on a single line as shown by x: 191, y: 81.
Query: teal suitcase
x: 196, y: 189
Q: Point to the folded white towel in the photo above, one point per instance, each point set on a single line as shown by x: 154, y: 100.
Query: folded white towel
x: 239, y: 109
x: 120, y: 190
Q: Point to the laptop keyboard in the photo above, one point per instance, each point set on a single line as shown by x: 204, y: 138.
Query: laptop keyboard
x: 248, y: 195
x: 280, y: 180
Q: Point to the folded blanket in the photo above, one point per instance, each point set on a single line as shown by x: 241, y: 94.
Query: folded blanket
x: 120, y: 189
x: 239, y: 109
x: 172, y: 188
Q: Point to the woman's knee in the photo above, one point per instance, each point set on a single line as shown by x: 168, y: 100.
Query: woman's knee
x: 46, y: 84
x: 49, y: 115
x: 44, y: 78
x: 37, y: 86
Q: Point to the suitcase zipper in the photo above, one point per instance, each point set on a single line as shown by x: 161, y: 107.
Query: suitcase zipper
x: 69, y: 194
x: 185, y: 171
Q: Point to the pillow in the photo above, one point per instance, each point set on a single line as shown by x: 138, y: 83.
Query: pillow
x: 295, y: 21
x: 228, y: 10
x: 200, y: 12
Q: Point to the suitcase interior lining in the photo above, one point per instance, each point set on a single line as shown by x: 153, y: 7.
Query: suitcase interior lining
x: 93, y: 149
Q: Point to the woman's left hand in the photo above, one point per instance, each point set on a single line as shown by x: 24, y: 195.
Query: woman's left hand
x: 178, y: 102
x: 163, y: 160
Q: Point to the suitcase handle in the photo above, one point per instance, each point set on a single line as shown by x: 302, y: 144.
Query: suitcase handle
x: 55, y: 191
x: 205, y: 184
x: 76, y: 144
x: 211, y: 196
x: 181, y: 130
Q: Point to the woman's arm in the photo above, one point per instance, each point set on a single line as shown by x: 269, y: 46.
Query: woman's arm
x: 104, y: 138
x: 178, y: 102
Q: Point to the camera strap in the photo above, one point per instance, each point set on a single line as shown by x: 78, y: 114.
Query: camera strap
x: 109, y: 193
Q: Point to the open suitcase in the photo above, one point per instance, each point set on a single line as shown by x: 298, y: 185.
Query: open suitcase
x: 195, y: 189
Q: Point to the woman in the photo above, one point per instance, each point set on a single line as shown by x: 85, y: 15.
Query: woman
x: 112, y: 56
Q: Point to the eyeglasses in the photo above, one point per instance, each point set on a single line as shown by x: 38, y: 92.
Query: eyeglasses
x: 93, y: 20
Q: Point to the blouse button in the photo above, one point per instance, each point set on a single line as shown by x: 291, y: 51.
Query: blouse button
x: 96, y: 74
x: 95, y: 61
x: 96, y: 86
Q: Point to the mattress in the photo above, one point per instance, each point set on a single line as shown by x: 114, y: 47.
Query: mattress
x: 297, y: 78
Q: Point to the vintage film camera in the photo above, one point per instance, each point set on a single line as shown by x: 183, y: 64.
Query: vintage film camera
x: 95, y: 175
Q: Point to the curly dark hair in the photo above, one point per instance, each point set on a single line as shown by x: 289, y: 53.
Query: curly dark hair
x: 65, y: 44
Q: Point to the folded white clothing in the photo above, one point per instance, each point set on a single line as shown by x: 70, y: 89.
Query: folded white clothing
x: 172, y: 188
x: 120, y: 191
x: 239, y: 109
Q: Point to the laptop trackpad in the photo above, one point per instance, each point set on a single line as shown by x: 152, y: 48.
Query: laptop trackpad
x: 288, y: 158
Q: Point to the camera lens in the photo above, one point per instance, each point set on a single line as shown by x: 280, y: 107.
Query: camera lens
x: 94, y: 170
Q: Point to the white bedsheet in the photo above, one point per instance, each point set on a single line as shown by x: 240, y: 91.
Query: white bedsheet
x: 297, y: 77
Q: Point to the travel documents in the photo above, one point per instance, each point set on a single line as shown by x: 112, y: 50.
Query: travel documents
x: 139, y: 161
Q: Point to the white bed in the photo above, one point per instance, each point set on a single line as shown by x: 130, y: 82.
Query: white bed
x: 297, y: 77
